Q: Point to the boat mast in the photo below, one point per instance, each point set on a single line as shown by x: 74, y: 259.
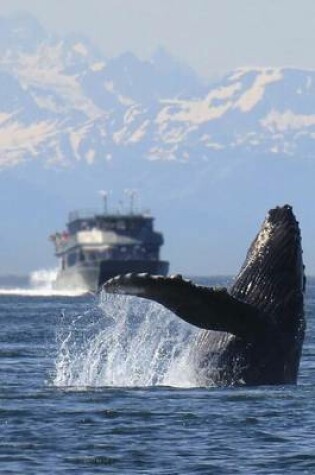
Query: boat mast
x: 105, y: 194
x: 132, y: 198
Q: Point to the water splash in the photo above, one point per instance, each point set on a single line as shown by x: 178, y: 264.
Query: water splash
x: 43, y: 278
x: 124, y: 341
x: 40, y: 284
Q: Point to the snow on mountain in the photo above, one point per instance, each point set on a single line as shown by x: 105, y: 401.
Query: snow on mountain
x: 62, y: 101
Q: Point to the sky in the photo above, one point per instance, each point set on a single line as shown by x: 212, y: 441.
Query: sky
x: 212, y: 36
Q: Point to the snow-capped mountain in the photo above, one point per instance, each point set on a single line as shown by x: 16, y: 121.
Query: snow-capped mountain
x: 62, y: 101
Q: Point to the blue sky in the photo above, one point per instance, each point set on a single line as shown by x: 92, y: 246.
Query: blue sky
x: 212, y: 36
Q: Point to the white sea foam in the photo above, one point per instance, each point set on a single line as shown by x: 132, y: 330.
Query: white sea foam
x: 40, y: 285
x: 124, y: 341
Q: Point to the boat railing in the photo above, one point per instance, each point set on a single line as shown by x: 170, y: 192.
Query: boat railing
x: 94, y: 237
x: 87, y: 213
x: 62, y: 244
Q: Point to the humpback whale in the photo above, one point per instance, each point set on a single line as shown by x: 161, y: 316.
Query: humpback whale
x: 251, y: 333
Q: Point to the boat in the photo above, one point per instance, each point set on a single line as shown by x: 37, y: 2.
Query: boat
x: 99, y: 245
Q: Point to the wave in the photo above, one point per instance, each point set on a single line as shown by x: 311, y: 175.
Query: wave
x: 39, y: 284
x: 124, y: 342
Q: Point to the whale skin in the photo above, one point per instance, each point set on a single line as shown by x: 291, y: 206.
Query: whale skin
x: 253, y: 332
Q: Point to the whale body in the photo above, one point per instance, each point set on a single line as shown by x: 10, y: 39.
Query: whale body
x: 253, y: 332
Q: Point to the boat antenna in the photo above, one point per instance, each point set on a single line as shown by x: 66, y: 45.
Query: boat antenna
x: 132, y: 196
x: 104, y: 194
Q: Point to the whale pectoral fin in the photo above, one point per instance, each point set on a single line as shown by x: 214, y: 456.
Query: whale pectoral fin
x: 204, y: 307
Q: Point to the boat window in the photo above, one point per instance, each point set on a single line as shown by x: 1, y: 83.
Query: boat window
x: 72, y: 259
x: 121, y: 225
x: 92, y: 256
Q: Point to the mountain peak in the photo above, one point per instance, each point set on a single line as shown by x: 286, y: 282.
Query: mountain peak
x: 20, y: 30
x: 62, y: 99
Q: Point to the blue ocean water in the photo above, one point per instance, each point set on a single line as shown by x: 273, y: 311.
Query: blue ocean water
x: 95, y: 385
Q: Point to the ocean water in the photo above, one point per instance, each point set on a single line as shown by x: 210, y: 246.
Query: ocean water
x: 98, y: 384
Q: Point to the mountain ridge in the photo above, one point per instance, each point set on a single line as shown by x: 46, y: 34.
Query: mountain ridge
x: 72, y: 103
